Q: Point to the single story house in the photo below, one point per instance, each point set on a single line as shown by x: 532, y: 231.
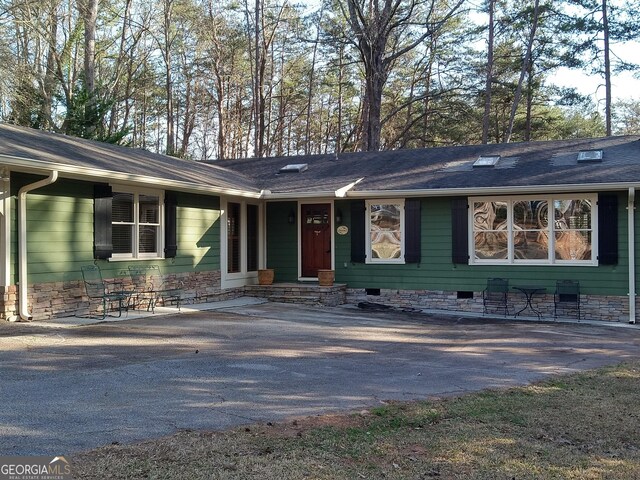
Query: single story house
x: 423, y: 228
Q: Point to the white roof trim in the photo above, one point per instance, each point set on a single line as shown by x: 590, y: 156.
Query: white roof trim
x: 294, y: 195
x: 447, y: 192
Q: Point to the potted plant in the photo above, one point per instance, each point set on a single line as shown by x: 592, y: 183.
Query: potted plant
x: 265, y: 276
x: 326, y: 278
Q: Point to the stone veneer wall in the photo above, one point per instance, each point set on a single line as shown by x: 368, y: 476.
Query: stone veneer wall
x: 8, y: 302
x: 299, y: 293
x: 59, y: 299
x: 592, y: 307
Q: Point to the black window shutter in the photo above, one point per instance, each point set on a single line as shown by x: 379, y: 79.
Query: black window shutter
x: 170, y: 225
x: 412, y: 230
x: 607, y: 229
x: 358, y: 233
x: 460, y: 230
x: 102, y: 200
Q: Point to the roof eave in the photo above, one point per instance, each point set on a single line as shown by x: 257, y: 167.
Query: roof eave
x: 509, y: 190
x: 268, y: 195
x: 84, y: 173
x: 339, y: 193
x: 448, y: 192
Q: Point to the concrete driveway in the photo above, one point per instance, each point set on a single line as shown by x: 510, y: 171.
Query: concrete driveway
x: 70, y: 389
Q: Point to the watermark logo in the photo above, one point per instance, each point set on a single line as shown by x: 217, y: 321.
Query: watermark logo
x: 35, y: 468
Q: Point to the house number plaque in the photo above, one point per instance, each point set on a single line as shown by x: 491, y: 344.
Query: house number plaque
x: 342, y: 230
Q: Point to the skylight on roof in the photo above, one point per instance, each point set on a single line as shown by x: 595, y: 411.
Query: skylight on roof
x: 294, y: 168
x: 491, y: 161
x: 585, y: 156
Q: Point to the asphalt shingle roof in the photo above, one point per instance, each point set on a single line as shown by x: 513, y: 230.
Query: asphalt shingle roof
x: 551, y: 163
x: 59, y: 149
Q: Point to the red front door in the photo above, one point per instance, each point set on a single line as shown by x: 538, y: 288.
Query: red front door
x: 315, y: 223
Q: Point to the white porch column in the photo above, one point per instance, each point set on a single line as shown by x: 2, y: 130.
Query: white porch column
x: 632, y: 255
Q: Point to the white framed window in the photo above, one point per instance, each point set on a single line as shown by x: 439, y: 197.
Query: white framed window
x: 137, y: 228
x: 234, y: 240
x: 385, y: 231
x: 540, y: 229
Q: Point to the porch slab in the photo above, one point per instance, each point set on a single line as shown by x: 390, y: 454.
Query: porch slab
x: 76, y: 321
x: 300, y: 293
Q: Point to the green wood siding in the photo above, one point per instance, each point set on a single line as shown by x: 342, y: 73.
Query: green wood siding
x: 59, y: 229
x: 198, y: 233
x: 60, y: 233
x: 437, y: 272
x: 282, y: 241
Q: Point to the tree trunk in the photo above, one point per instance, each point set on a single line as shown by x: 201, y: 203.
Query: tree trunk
x: 524, y: 69
x: 90, y: 17
x: 89, y: 11
x: 339, y: 146
x: 307, y: 130
x: 527, y: 126
x: 607, y: 68
x: 376, y: 77
x: 167, y: 52
x: 48, y: 84
x: 489, y: 78
x: 258, y: 76
x: 122, y: 58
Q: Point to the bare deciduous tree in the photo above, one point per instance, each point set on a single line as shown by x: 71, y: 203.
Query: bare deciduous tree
x: 384, y: 31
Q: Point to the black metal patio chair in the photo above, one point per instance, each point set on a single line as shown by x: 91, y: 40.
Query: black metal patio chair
x: 566, y: 297
x: 98, y: 289
x: 496, y: 295
x: 151, y: 287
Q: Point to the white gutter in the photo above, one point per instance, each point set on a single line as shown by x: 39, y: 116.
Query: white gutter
x: 297, y: 195
x: 632, y: 255
x: 449, y: 192
x: 22, y: 241
x: 86, y: 173
x: 5, y: 228
x: 478, y: 191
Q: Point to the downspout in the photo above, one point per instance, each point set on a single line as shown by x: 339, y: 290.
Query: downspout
x: 632, y: 255
x: 22, y: 241
x: 5, y: 227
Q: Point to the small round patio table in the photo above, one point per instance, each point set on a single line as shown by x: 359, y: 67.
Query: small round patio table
x: 529, y: 291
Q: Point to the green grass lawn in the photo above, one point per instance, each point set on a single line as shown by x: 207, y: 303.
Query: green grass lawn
x: 582, y: 426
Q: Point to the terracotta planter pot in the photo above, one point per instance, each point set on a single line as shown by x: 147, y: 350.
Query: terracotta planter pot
x: 265, y: 277
x: 326, y: 277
